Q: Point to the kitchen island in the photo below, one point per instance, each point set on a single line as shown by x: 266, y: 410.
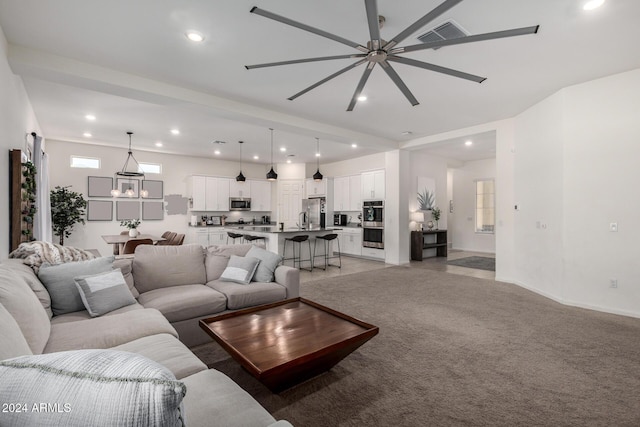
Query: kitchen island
x: 274, y: 238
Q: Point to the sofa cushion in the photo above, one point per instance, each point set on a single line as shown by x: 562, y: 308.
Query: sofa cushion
x: 240, y: 269
x: 58, y: 279
x: 217, y: 258
x: 26, y: 273
x: 12, y: 342
x: 268, y: 263
x: 256, y: 293
x: 91, y: 387
x: 226, y: 402
x: 17, y: 297
x: 165, y: 266
x: 107, y: 331
x: 84, y: 315
x: 184, y: 302
x: 168, y: 351
x: 104, y: 292
x: 126, y: 266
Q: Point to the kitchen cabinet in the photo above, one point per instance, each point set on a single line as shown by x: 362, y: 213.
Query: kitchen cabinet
x: 372, y: 185
x: 315, y: 188
x: 207, y: 236
x: 209, y: 193
x: 350, y: 241
x: 240, y: 189
x: 347, y: 193
x: 260, y: 196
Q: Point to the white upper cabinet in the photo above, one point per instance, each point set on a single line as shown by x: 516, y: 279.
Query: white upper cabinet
x: 209, y: 193
x: 260, y: 196
x: 240, y: 189
x: 341, y: 193
x: 315, y: 188
x: 355, y: 193
x: 373, y: 185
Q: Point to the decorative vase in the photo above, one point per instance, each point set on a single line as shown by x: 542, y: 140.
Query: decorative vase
x: 430, y: 225
x: 133, y: 232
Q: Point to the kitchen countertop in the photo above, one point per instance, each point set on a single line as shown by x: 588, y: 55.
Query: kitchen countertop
x: 274, y: 229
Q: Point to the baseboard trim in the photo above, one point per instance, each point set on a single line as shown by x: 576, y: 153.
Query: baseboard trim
x: 571, y: 303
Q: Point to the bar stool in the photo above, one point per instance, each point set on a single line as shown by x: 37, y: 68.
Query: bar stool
x: 249, y: 238
x: 326, y: 240
x: 233, y: 236
x: 297, y: 239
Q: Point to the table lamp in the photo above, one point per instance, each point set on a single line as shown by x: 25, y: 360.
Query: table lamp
x: 418, y: 218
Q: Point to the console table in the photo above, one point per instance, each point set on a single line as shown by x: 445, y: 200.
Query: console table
x: 428, y: 239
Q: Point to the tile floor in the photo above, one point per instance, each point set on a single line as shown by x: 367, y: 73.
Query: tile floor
x: 352, y: 265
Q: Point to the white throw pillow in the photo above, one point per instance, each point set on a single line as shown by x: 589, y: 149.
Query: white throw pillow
x: 240, y: 269
x: 104, y: 292
x: 89, y: 388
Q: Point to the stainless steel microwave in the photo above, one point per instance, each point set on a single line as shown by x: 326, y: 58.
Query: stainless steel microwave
x: 239, y: 204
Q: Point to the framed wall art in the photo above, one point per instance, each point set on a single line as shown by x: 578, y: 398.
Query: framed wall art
x: 127, y: 209
x: 152, y: 211
x: 155, y: 189
x: 126, y: 184
x: 99, y: 210
x: 99, y: 186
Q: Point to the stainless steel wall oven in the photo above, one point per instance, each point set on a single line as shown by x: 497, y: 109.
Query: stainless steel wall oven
x: 373, y: 224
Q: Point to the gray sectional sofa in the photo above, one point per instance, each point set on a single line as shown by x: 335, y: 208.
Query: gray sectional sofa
x: 174, y: 287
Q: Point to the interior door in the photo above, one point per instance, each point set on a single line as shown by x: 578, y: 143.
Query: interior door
x: 289, y: 201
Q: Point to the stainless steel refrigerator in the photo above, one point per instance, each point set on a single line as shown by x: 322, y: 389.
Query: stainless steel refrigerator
x: 315, y: 212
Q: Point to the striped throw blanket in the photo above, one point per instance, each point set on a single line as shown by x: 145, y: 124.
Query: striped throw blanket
x: 34, y: 254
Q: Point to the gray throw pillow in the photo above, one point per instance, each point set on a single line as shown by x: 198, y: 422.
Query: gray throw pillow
x: 268, y: 263
x: 240, y: 269
x: 58, y: 279
x: 90, y: 388
x: 104, y: 292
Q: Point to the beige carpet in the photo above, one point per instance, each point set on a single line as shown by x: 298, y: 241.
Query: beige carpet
x: 455, y: 350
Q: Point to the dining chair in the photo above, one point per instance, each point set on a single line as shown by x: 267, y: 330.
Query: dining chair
x: 177, y: 240
x: 131, y: 245
x: 168, y: 236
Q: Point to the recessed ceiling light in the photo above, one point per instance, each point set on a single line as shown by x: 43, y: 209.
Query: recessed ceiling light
x: 158, y: 144
x: 354, y: 145
x: 87, y: 135
x: 317, y: 154
x: 468, y: 143
x: 90, y: 117
x: 255, y: 157
x: 194, y: 36
x: 593, y: 4
x: 216, y: 152
x: 288, y: 160
x: 362, y: 98
x: 283, y: 149
x: 175, y: 131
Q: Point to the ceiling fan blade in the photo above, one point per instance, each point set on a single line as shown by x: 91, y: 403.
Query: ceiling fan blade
x: 300, y: 61
x: 398, y: 81
x: 363, y: 81
x: 372, y: 18
x: 326, y: 79
x: 436, y: 68
x: 439, y: 10
x: 469, y: 39
x: 305, y: 27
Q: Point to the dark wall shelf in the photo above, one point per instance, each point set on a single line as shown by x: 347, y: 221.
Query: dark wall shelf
x: 428, y: 239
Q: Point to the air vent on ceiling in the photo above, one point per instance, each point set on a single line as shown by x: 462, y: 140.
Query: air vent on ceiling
x: 447, y: 31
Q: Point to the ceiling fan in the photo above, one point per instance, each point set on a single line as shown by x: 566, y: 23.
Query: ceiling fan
x: 379, y: 51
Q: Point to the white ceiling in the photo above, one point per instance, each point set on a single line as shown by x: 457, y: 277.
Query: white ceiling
x: 129, y: 63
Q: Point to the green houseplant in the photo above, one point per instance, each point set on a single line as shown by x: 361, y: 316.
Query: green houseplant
x: 67, y: 209
x: 435, y: 213
x: 132, y: 225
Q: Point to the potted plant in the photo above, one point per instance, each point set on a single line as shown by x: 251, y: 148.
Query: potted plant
x: 132, y: 225
x: 67, y: 208
x: 435, y: 213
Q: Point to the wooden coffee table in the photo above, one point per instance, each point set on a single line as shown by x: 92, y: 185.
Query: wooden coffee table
x: 285, y: 343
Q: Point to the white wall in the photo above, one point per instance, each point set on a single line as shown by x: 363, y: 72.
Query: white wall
x: 350, y: 167
x: 176, y: 171
x: 17, y: 120
x: 462, y: 233
x: 425, y: 165
x: 575, y: 173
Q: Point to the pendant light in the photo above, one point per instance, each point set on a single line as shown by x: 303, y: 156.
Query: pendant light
x: 317, y: 176
x: 272, y: 175
x: 240, y: 177
x: 129, y: 171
